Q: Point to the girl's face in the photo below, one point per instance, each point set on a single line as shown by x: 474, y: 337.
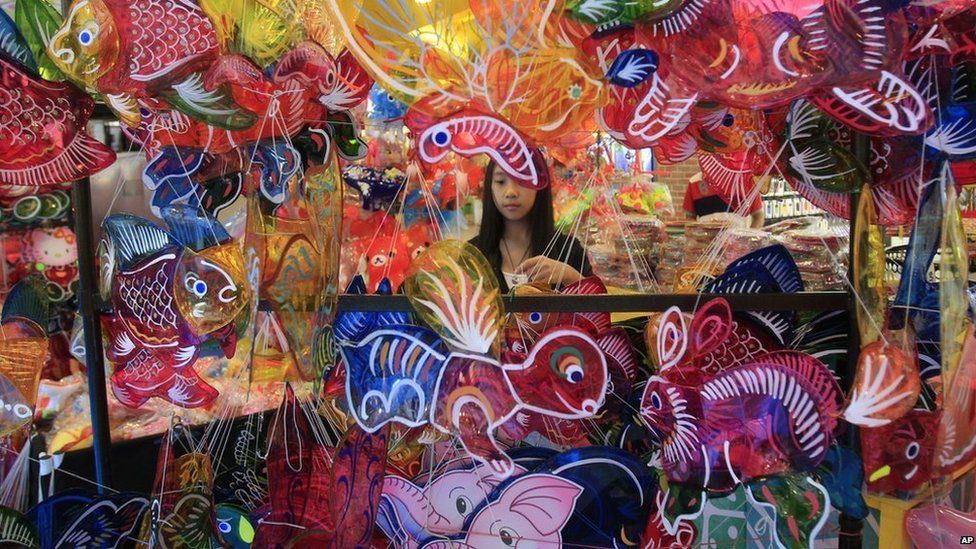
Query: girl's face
x: 513, y: 200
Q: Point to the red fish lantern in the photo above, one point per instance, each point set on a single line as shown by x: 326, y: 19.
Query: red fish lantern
x: 42, y: 137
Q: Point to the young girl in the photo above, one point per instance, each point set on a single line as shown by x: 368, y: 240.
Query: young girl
x: 518, y: 236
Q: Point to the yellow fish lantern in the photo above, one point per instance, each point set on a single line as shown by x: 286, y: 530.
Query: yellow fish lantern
x: 956, y: 442
x: 454, y: 276
x: 478, y: 77
x: 395, y: 42
x: 220, y: 268
x: 86, y: 47
x: 23, y: 352
x: 953, y: 281
x: 555, y: 95
x: 323, y: 194
x: 320, y: 26
x: 869, y: 270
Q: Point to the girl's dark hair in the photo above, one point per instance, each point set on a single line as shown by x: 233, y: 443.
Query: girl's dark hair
x: 493, y: 224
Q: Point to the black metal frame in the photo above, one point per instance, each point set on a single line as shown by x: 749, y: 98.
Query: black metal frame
x: 94, y: 357
x: 624, y: 303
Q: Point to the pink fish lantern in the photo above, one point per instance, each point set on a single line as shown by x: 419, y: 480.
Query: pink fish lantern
x: 469, y: 130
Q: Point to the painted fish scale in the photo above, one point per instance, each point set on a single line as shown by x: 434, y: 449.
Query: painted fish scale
x: 149, y: 303
x: 153, y: 54
x: 12, y: 117
x: 42, y: 130
x: 23, y: 120
x: 741, y: 346
x: 160, y: 37
x: 143, y: 366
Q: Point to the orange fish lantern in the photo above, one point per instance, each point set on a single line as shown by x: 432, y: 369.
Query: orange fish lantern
x: 479, y: 79
x: 23, y: 352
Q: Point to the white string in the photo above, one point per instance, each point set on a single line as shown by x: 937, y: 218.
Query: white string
x: 13, y: 488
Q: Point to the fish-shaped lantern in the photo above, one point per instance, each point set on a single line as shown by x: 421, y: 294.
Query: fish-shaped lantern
x: 449, y: 376
x: 23, y: 351
x: 762, y: 417
x: 843, y: 55
x: 145, y: 50
x: 170, y: 293
x: 318, y: 495
x: 42, y: 130
x: 479, y: 78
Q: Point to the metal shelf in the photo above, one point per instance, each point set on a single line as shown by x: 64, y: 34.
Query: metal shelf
x: 624, y: 303
x: 609, y: 303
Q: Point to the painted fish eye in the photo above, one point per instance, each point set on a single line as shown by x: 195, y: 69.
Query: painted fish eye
x: 728, y: 120
x: 655, y: 401
x: 200, y: 288
x: 441, y: 138
x: 195, y: 285
x: 463, y: 505
x: 535, y: 318
x: 508, y: 536
x: 911, y: 451
x: 87, y: 36
x: 224, y: 527
x: 574, y: 374
x: 567, y: 362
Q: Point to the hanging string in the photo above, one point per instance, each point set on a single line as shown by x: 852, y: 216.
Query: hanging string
x: 13, y: 488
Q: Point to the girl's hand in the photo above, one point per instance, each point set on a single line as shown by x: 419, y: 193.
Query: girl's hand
x: 543, y: 269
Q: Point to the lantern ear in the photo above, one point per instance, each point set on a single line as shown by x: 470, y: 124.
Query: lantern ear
x: 711, y: 326
x: 403, y: 506
x: 672, y: 338
x: 546, y: 501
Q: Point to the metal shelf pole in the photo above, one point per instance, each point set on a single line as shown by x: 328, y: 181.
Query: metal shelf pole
x: 94, y: 358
